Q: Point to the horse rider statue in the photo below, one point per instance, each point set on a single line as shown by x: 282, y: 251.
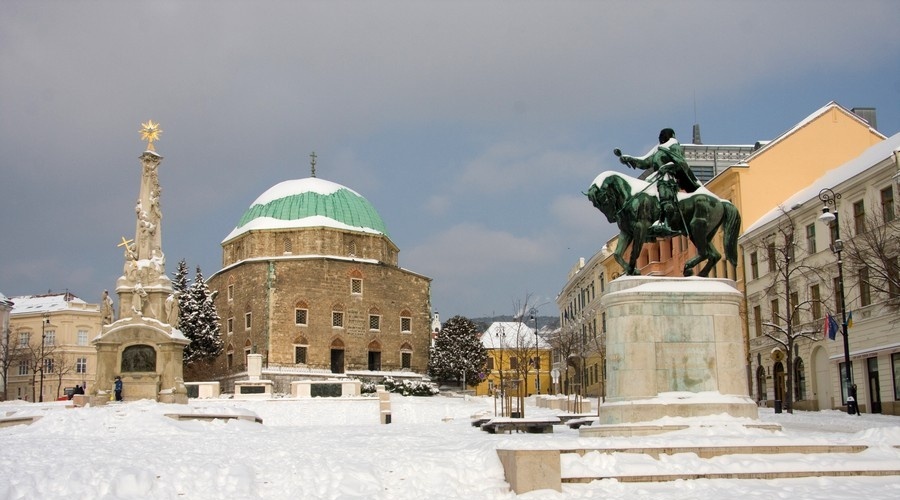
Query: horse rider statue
x: 673, y: 173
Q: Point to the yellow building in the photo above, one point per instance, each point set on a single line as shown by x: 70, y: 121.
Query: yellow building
x: 518, y: 359
x: 52, y: 332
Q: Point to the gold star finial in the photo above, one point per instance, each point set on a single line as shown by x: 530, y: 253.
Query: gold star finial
x: 150, y: 132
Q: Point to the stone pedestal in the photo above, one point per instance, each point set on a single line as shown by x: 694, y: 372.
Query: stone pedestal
x: 674, y: 348
x: 253, y: 387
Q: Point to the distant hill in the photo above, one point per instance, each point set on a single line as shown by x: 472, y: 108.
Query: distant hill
x: 551, y: 322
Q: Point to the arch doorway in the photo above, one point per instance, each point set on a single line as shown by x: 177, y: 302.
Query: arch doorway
x: 337, y: 356
x: 778, y: 376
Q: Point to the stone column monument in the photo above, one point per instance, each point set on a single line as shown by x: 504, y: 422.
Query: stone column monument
x: 141, y: 346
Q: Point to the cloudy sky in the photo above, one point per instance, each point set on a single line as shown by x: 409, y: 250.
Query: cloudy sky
x: 473, y: 127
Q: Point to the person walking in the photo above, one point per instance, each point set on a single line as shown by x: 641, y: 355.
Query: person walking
x: 118, y: 388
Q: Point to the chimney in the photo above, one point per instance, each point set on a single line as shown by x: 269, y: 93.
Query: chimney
x: 867, y: 114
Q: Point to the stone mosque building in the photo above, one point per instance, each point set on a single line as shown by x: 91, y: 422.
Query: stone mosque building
x: 310, y: 280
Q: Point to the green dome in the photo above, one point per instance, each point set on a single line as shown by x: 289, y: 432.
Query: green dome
x: 310, y: 202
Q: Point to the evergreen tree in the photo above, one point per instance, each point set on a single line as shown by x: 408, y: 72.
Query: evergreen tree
x: 457, y: 350
x: 180, y: 284
x: 200, y: 322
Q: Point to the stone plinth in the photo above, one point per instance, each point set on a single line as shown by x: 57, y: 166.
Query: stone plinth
x: 305, y: 388
x: 674, y: 336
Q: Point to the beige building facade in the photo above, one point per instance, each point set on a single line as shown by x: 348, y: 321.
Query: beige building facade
x: 311, y: 281
x: 868, y: 189
x: 50, y: 338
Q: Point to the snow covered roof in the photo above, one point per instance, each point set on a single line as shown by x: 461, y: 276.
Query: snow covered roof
x: 28, y: 304
x: 502, y: 335
x: 806, y: 121
x: 310, y: 202
x: 870, y: 157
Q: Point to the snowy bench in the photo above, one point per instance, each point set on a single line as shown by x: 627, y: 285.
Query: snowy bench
x: 214, y: 416
x: 10, y: 421
x: 531, y: 425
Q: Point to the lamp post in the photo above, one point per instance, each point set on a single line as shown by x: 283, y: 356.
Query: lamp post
x: 537, y: 354
x: 829, y: 198
x: 44, y: 321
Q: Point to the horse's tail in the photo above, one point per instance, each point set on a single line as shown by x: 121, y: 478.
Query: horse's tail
x: 731, y: 230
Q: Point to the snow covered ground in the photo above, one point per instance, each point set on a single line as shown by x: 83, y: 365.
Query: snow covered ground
x: 336, y: 449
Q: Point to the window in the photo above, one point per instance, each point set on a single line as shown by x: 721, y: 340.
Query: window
x: 893, y: 274
x: 754, y: 265
x: 356, y: 286
x: 887, y: 204
x: 300, y: 317
x: 775, y: 313
x: 406, y: 360
x: 513, y: 363
x: 859, y: 217
x: 300, y: 354
x: 757, y: 320
x: 248, y: 321
x: 288, y: 245
x: 794, y: 311
x: 23, y: 339
x: 230, y: 293
x: 895, y: 363
x: 23, y: 367
x: 865, y: 291
x: 405, y: 324
x: 838, y: 301
x: 799, y: 380
x: 337, y: 319
x: 374, y: 322
x: 230, y: 326
x: 490, y: 363
x: 48, y: 365
x: 536, y: 362
x: 603, y: 321
x: 81, y: 365
x: 770, y: 252
x: 50, y: 337
x: 82, y: 337
x: 811, y: 239
x: 815, y: 303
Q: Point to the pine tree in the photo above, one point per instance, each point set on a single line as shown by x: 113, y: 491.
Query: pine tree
x: 180, y: 284
x: 458, y: 350
x: 200, y: 322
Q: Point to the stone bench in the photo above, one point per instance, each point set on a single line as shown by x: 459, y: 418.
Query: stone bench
x: 213, y: 416
x: 529, y: 425
x: 577, y: 423
x: 10, y: 421
x: 528, y: 470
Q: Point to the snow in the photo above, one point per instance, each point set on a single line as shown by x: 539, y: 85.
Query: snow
x: 641, y: 186
x: 294, y: 186
x: 336, y: 449
x: 306, y: 222
x: 45, y: 303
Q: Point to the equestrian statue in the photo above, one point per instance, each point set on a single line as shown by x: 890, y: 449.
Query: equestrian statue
x: 672, y: 203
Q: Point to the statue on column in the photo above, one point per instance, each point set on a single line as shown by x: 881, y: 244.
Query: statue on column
x: 106, y: 308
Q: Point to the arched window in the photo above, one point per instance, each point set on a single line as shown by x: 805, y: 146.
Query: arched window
x: 799, y: 380
x: 760, y: 384
x: 374, y: 356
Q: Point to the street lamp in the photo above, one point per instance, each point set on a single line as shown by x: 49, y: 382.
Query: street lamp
x: 45, y: 321
x: 537, y: 354
x: 829, y: 198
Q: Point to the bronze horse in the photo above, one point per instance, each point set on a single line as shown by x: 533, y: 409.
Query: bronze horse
x: 634, y: 206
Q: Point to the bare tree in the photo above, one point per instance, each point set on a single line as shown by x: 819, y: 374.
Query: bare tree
x: 875, y: 250
x: 62, y: 365
x: 785, y: 326
x: 567, y: 343
x: 7, y: 359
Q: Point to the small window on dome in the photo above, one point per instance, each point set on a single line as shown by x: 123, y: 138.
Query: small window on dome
x: 288, y: 245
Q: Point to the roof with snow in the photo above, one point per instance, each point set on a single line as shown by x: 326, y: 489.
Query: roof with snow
x: 504, y: 334
x: 834, y: 177
x: 310, y: 202
x: 806, y: 121
x: 52, y: 302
